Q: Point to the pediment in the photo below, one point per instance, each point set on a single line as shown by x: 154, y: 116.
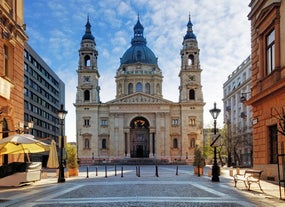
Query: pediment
x: 139, y: 98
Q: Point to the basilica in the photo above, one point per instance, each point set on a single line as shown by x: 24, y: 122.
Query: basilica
x: 139, y: 124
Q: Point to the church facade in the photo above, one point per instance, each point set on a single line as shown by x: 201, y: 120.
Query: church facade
x: 138, y: 123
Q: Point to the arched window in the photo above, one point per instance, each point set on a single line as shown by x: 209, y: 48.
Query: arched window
x: 139, y: 87
x: 175, y: 143
x: 191, y: 60
x: 104, y: 144
x: 86, y: 95
x: 147, y: 88
x: 192, y: 143
x: 130, y: 88
x: 86, y: 144
x: 87, y: 61
x: 192, y: 94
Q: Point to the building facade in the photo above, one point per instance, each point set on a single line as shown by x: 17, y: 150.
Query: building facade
x: 44, y: 93
x: 238, y: 116
x: 12, y: 40
x: 268, y: 82
x: 139, y: 122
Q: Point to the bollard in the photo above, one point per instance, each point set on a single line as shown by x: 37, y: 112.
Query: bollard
x: 238, y: 171
x: 87, y: 171
x: 122, y: 172
x: 139, y: 171
x: 177, y: 170
x: 156, y: 171
x: 115, y: 170
x: 231, y: 172
x: 106, y: 171
x: 96, y: 171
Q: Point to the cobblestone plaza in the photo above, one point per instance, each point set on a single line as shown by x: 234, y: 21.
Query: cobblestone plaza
x: 165, y: 187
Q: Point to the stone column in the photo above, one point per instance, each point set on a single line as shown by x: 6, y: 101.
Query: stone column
x: 128, y: 145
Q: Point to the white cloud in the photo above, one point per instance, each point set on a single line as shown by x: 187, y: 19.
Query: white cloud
x: 221, y: 27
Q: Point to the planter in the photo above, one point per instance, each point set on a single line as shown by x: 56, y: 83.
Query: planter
x: 72, y: 172
x: 201, y: 169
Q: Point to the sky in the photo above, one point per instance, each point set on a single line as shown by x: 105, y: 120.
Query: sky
x: 55, y: 29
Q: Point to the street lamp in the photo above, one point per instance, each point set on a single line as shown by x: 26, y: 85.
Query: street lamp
x: 215, y: 169
x: 30, y: 126
x: 61, y: 115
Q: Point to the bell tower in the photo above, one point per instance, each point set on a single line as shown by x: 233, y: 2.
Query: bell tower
x: 88, y: 75
x: 190, y: 89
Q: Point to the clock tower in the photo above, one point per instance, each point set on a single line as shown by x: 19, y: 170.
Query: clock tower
x: 190, y: 89
x: 88, y: 75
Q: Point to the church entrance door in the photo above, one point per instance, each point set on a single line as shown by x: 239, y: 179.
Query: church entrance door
x: 139, y: 137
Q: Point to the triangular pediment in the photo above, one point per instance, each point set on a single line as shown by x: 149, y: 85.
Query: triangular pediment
x: 139, y: 98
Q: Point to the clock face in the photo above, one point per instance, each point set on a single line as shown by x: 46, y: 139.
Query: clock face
x: 191, y: 77
x: 86, y: 78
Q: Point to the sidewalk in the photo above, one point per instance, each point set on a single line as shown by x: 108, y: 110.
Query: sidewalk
x: 270, y: 188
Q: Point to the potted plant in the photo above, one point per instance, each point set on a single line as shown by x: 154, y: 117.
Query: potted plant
x: 199, y: 162
x: 71, y: 161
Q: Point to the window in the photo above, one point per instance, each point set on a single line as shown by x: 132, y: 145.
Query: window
x: 192, y: 122
x: 192, y: 143
x: 87, y: 60
x: 104, y: 122
x: 139, y: 87
x: 147, y: 88
x: 175, y: 143
x: 273, y: 146
x: 191, y: 59
x: 6, y: 61
x: 174, y: 122
x: 270, y: 44
x: 86, y: 95
x: 86, y: 144
x: 104, y: 144
x: 130, y: 88
x: 192, y: 94
x: 86, y: 122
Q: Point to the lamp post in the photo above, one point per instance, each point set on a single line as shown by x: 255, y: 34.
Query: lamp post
x: 61, y: 116
x: 30, y: 126
x: 215, y: 169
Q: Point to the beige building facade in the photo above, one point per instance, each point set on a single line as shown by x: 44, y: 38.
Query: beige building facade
x: 139, y: 123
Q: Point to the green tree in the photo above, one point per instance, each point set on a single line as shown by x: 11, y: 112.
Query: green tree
x: 71, y: 156
x: 199, y: 160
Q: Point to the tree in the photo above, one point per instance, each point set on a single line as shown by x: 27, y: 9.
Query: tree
x: 71, y: 156
x: 280, y: 116
x: 199, y: 160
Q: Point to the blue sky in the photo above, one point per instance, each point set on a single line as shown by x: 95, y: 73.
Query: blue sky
x: 55, y: 29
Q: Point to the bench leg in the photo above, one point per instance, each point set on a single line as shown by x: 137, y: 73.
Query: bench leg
x: 260, y: 186
x: 249, y: 186
x: 245, y: 183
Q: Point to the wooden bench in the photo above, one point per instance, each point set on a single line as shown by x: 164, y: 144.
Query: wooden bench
x: 250, y: 176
